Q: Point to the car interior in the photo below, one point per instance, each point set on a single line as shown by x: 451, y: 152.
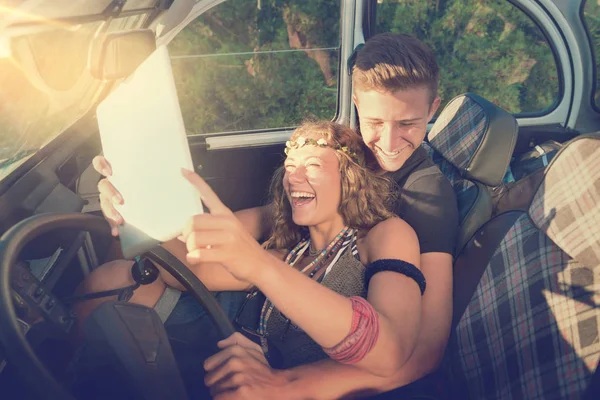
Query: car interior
x: 526, y: 278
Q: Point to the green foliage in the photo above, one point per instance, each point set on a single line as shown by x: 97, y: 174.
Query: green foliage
x: 484, y: 46
x: 275, y: 82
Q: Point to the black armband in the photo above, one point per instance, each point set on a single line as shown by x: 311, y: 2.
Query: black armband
x: 399, y: 266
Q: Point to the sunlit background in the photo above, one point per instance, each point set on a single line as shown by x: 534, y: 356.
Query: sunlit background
x: 45, y: 85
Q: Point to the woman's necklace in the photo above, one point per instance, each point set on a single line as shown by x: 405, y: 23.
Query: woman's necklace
x: 312, y: 252
x: 292, y: 257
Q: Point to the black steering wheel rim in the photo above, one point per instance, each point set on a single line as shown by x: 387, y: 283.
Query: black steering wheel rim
x: 17, y: 347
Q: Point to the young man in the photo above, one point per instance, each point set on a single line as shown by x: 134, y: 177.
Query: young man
x: 395, y: 80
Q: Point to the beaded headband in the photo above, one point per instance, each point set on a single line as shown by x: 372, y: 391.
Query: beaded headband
x: 302, y: 141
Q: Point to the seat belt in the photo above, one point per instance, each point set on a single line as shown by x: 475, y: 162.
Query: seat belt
x: 474, y: 259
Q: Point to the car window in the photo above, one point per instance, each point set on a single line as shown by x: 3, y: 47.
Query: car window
x: 248, y: 65
x: 489, y: 47
x: 591, y: 13
x: 45, y: 86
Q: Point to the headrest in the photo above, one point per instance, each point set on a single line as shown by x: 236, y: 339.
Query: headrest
x: 475, y: 136
x: 566, y: 206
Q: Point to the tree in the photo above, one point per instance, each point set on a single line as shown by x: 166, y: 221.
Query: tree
x: 241, y: 67
x: 484, y: 46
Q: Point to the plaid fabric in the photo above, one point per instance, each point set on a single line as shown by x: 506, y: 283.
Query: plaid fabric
x: 531, y: 328
x: 458, y: 131
x: 567, y: 204
x: 460, y: 185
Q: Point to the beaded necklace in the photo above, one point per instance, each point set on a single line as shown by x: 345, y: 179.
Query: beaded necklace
x: 292, y: 257
x: 312, y: 252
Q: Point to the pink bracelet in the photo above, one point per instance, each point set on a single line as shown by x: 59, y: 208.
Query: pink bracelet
x: 362, y: 337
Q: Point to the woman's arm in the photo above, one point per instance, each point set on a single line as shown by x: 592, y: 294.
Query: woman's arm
x: 305, y: 381
x: 213, y: 275
x: 323, y: 314
x: 326, y: 316
x: 257, y: 221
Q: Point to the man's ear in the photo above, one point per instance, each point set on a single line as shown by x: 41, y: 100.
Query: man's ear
x: 355, y: 100
x: 434, y: 107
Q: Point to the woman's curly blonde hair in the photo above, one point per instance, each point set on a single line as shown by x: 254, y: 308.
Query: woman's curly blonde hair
x: 366, y: 198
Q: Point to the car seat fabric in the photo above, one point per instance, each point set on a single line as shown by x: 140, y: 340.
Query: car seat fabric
x: 531, y: 328
x: 473, y: 199
x: 476, y: 137
x: 567, y: 204
x: 472, y: 142
x: 461, y: 125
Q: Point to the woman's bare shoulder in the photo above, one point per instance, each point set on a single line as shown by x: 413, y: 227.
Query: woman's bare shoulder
x: 390, y: 226
x: 392, y: 238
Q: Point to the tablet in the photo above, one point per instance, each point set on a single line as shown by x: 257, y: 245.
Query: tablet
x: 144, y: 139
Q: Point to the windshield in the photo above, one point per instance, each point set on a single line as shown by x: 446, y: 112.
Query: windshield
x: 44, y: 88
x: 45, y: 85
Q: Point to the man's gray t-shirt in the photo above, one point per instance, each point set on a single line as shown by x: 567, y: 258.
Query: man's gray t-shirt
x: 427, y: 203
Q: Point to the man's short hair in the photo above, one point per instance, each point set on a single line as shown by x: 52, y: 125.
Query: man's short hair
x: 390, y: 62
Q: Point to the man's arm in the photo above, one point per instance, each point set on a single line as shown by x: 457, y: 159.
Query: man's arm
x: 436, y: 319
x: 256, y: 380
x: 430, y: 208
x: 305, y: 382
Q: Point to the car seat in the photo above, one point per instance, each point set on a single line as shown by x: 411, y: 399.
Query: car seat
x: 527, y: 291
x: 472, y: 142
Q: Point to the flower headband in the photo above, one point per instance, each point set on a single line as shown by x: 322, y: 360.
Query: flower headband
x: 302, y: 141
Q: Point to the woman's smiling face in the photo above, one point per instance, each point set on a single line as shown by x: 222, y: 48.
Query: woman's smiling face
x: 312, y: 183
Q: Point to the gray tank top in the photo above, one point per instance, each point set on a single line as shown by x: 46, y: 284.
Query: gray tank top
x: 290, y: 346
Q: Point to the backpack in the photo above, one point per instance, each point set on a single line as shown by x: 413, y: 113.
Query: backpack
x: 523, y: 178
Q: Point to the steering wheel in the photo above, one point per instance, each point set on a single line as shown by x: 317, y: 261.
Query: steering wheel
x: 16, y: 345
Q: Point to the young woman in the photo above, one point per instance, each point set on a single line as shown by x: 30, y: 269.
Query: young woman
x: 339, y: 277
x: 341, y: 274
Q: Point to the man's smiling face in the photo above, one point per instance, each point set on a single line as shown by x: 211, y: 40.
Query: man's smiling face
x: 394, y: 124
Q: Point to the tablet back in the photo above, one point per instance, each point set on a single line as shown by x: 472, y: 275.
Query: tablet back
x: 144, y: 139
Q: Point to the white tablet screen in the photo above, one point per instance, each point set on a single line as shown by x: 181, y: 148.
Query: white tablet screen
x: 144, y: 139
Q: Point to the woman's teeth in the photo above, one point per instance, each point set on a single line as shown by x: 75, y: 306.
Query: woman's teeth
x: 302, y: 194
x: 301, y: 198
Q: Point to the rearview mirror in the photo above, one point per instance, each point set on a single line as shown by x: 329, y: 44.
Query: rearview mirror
x: 117, y: 55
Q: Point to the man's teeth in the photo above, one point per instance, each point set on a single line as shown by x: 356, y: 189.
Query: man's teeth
x: 385, y: 153
x: 302, y: 194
